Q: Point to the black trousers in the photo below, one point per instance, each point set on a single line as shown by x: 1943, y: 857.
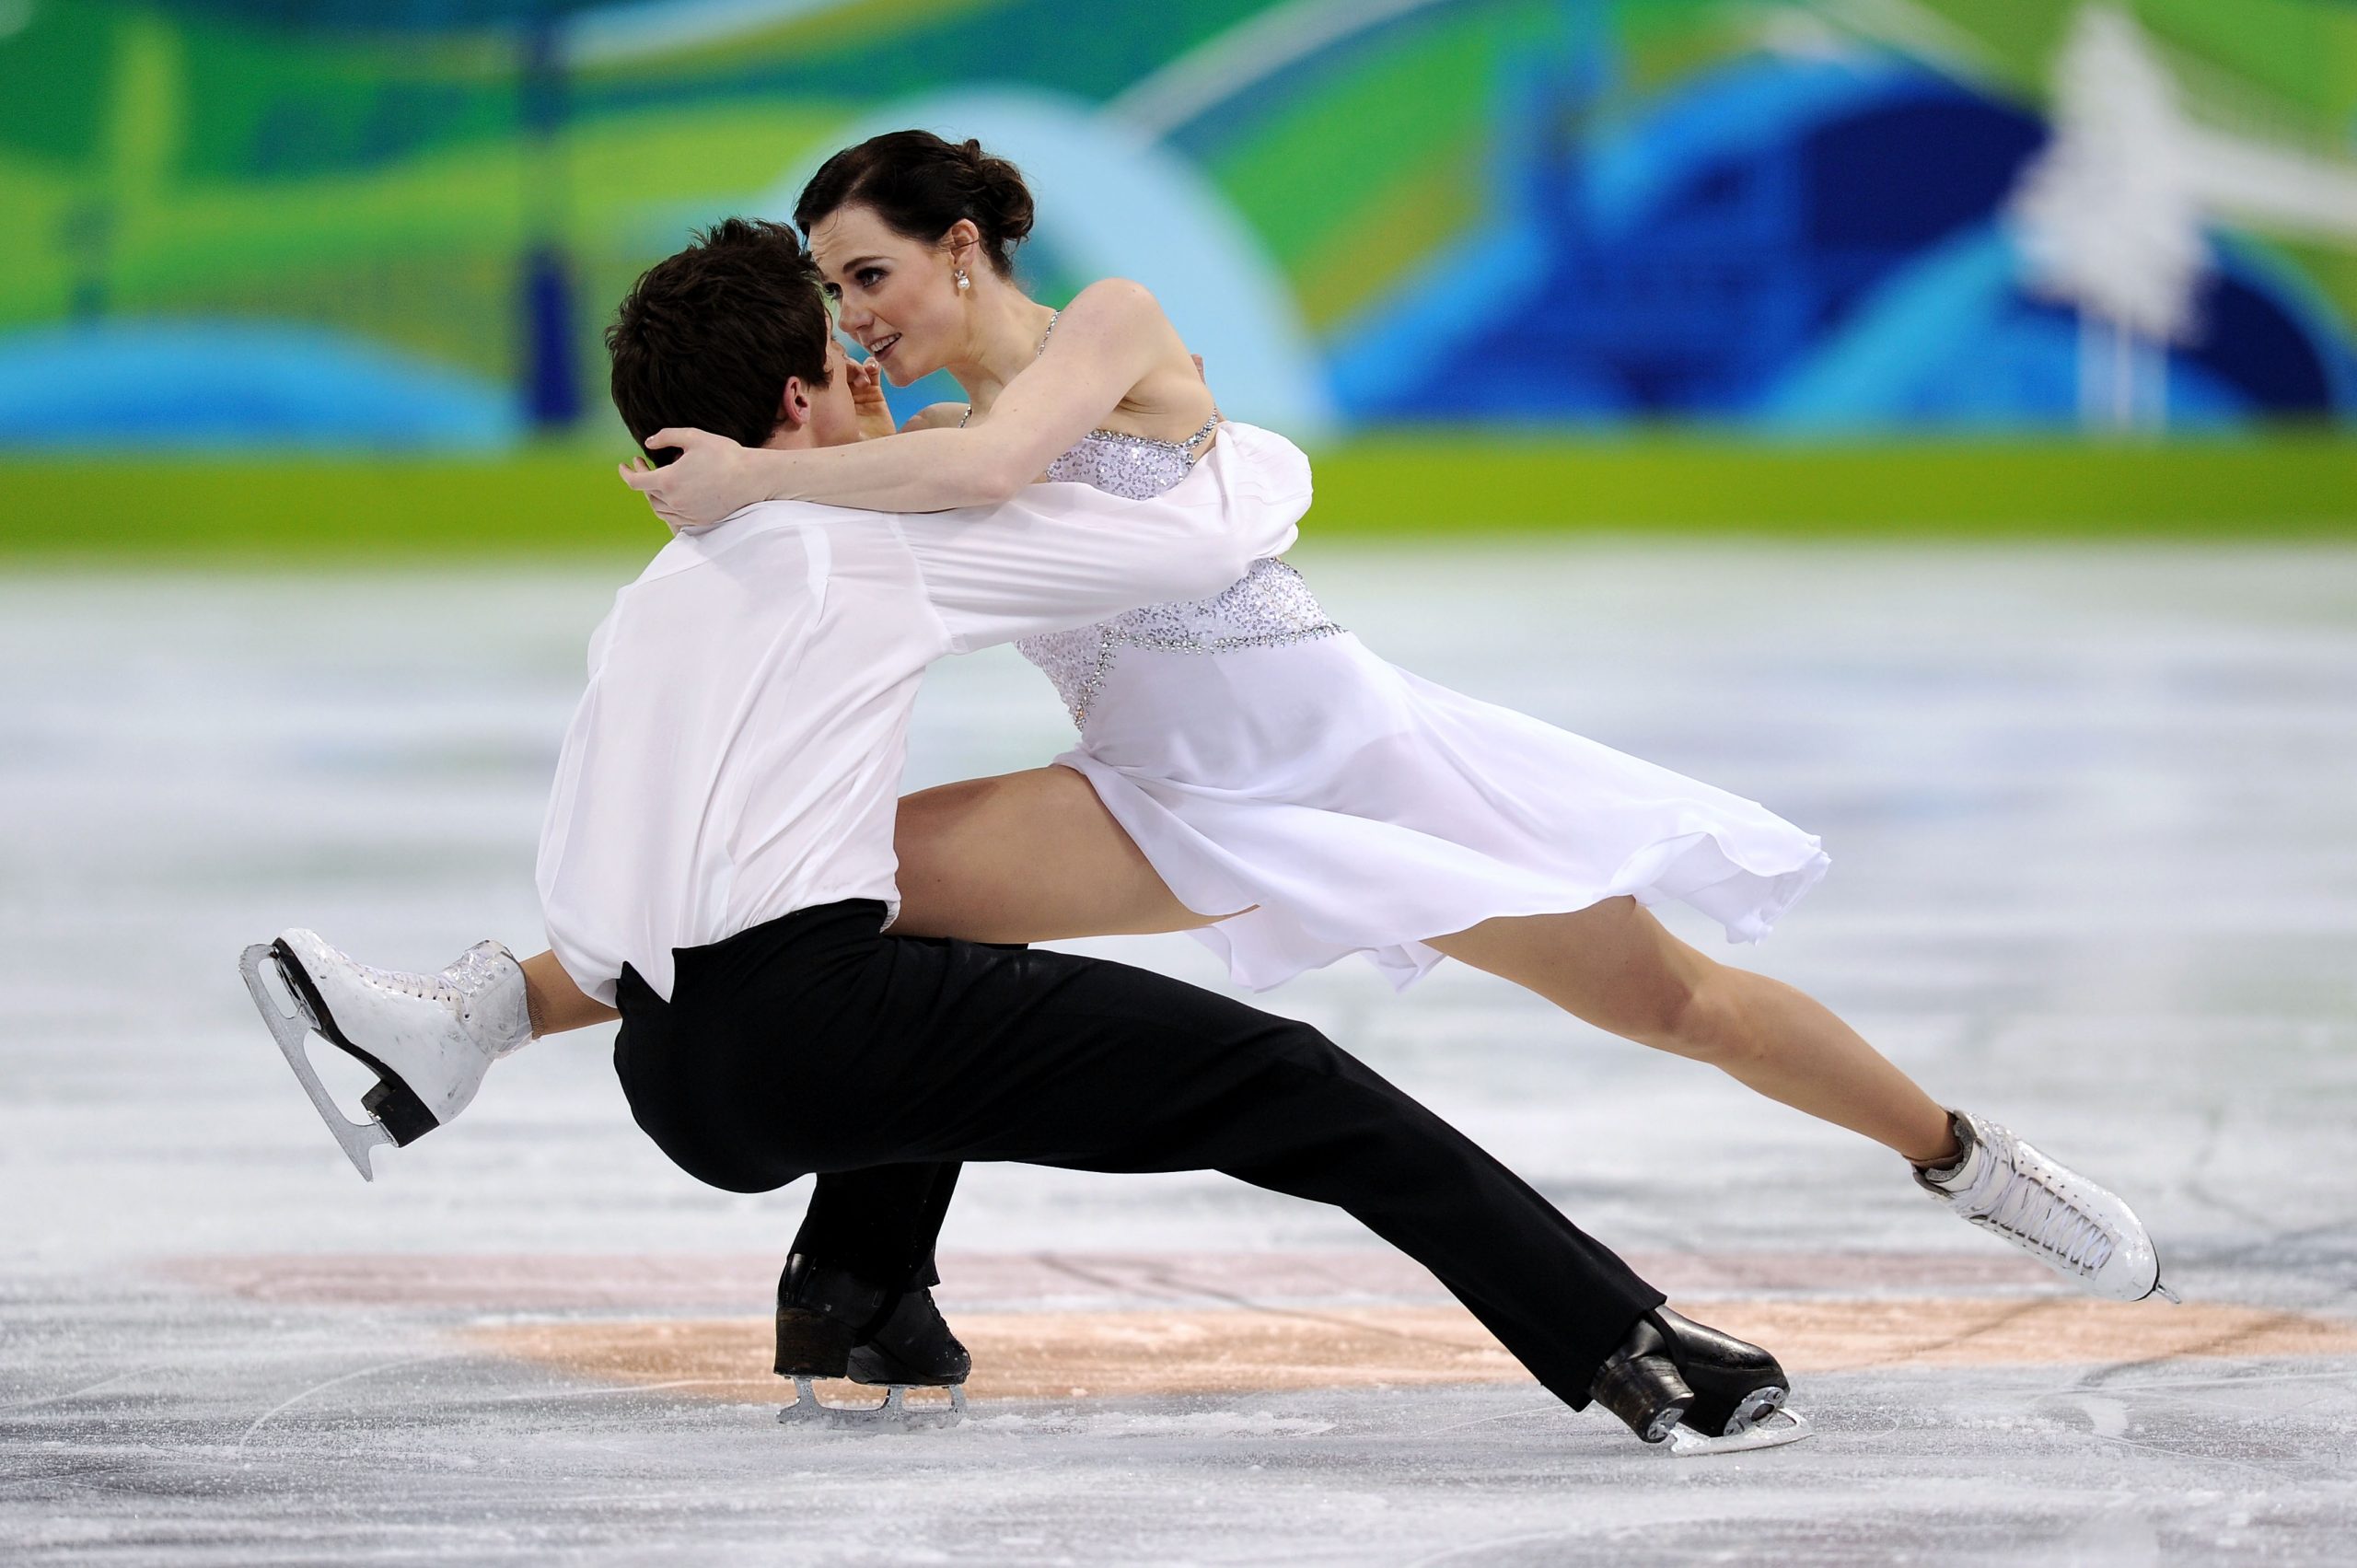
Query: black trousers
x: 815, y: 1043
x: 880, y: 1223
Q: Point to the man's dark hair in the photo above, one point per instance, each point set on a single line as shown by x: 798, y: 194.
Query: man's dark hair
x: 709, y: 337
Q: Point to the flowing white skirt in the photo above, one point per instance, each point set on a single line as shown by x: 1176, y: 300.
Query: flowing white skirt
x: 1364, y: 810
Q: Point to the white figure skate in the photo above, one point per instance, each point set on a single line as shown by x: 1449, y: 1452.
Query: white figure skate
x: 2080, y: 1230
x: 429, y: 1038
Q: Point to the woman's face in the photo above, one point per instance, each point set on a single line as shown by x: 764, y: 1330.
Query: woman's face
x: 897, y: 297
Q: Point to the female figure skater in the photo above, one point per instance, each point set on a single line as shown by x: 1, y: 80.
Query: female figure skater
x: 1248, y: 771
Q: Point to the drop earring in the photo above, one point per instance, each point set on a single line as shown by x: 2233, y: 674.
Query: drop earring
x: 964, y: 283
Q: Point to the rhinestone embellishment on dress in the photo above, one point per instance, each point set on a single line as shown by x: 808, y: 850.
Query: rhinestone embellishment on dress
x: 1267, y: 606
x: 1135, y: 468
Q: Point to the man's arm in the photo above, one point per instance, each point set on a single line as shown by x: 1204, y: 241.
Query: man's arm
x: 1062, y: 555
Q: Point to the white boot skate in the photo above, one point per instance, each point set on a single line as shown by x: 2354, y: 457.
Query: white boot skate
x: 430, y: 1038
x: 2080, y: 1230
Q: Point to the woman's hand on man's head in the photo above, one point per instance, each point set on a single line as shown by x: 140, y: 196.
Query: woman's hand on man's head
x: 710, y: 479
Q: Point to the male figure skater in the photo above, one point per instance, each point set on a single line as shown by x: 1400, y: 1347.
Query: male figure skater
x: 717, y: 864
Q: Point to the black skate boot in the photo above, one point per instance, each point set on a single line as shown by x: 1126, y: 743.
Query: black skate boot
x: 1735, y: 1383
x: 1640, y: 1383
x: 913, y: 1348
x: 831, y: 1323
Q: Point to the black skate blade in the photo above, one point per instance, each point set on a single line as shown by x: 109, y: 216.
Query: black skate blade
x: 895, y: 1415
x: 291, y: 1012
x: 1773, y: 1430
x: 392, y: 1103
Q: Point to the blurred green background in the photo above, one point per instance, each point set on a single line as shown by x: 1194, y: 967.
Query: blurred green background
x: 320, y: 276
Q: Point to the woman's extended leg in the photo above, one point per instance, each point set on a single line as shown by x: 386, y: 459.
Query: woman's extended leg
x: 1613, y: 965
x: 1034, y: 857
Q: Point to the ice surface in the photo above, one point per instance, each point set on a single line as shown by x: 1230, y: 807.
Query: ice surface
x: 2094, y: 875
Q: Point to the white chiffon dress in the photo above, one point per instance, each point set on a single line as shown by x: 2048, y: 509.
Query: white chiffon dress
x: 1265, y: 762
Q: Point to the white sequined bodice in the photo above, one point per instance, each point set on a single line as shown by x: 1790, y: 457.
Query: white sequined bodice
x: 1267, y: 606
x: 1134, y: 467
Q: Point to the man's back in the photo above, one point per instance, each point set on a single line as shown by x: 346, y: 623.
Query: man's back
x: 748, y: 706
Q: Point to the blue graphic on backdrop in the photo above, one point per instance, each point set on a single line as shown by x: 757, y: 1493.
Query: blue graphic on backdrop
x: 1805, y: 246
x: 151, y: 385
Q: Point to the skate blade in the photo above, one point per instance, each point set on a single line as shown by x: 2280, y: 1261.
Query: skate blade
x: 1773, y: 1430
x: 291, y: 1024
x: 895, y: 1415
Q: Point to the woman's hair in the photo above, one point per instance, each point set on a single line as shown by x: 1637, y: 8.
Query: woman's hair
x: 920, y: 185
x: 709, y: 337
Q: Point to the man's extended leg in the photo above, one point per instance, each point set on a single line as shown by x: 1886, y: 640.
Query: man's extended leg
x: 968, y: 1053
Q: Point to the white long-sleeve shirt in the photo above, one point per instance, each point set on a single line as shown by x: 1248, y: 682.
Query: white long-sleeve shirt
x: 738, y: 754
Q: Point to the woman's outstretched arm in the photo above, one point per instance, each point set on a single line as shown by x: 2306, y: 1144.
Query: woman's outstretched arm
x: 1105, y: 342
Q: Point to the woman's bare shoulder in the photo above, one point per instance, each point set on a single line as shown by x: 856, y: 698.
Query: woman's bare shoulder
x: 1169, y: 395
x: 1119, y: 302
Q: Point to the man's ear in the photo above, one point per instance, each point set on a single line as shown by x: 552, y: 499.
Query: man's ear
x: 793, y: 404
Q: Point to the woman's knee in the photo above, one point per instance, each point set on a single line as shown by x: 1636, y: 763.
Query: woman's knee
x: 1703, y: 1016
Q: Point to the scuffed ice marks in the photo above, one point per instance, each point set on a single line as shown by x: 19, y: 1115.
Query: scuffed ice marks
x: 1132, y: 1423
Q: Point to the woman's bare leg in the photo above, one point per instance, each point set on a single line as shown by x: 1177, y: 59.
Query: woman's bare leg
x: 1026, y: 857
x: 1614, y: 966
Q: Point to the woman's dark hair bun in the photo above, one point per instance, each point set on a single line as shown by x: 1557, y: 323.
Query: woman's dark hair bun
x: 1000, y: 189
x: 920, y: 185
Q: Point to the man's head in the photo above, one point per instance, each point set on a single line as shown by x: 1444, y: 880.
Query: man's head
x: 731, y: 335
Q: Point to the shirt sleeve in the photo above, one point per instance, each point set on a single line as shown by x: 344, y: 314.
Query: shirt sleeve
x: 1064, y: 555
x: 570, y: 908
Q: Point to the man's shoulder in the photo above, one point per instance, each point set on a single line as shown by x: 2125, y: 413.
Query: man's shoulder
x: 763, y: 521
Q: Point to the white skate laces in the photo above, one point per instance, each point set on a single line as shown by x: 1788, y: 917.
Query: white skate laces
x: 2080, y: 1230
x: 483, y: 986
x: 428, y: 1038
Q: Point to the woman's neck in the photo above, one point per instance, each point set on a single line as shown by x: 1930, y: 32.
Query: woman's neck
x: 1002, y: 340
